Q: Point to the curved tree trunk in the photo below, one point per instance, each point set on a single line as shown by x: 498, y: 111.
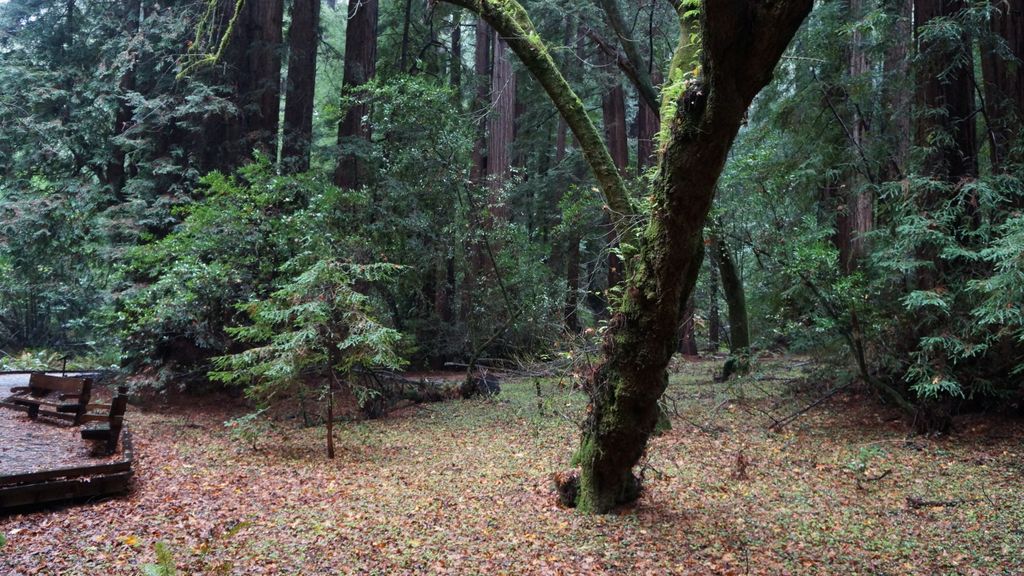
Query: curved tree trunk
x: 742, y: 42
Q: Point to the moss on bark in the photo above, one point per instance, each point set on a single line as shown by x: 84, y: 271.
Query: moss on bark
x: 741, y: 41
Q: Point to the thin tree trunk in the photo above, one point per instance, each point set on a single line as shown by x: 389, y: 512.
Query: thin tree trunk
x: 613, y: 108
x: 714, y: 318
x: 687, y: 333
x: 403, y: 62
x: 500, y: 125
x: 648, y: 126
x: 482, y: 68
x: 360, y: 68
x: 455, y: 64
x: 736, y: 300
x: 303, y: 36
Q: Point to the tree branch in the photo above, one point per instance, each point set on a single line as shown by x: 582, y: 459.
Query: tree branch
x: 640, y: 78
x: 510, y: 20
x: 626, y: 66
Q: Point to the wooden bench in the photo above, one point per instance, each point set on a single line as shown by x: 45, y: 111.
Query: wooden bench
x: 54, y: 396
x: 106, y: 427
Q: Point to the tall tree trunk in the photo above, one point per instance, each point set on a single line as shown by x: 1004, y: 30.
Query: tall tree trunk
x: 714, y: 318
x: 945, y: 98
x: 613, y: 111
x: 455, y: 63
x: 648, y: 125
x: 253, y: 60
x: 687, y: 332
x: 303, y: 36
x: 736, y: 300
x: 403, y: 61
x: 478, y: 171
x: 116, y: 171
x: 501, y: 125
x: 360, y: 68
x: 482, y: 69
x: 945, y: 119
x: 1004, y: 80
x: 859, y: 216
x: 898, y: 90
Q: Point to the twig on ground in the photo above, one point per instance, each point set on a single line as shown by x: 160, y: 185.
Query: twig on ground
x: 866, y: 479
x: 777, y: 426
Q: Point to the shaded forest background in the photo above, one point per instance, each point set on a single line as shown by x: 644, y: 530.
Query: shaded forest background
x: 168, y: 199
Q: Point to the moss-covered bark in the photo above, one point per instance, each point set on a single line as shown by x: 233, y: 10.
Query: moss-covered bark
x: 742, y: 42
x: 736, y: 300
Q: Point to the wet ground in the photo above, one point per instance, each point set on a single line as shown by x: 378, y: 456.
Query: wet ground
x: 31, y: 446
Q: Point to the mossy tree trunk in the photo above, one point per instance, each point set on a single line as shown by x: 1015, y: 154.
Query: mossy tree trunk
x: 742, y: 42
x: 736, y: 301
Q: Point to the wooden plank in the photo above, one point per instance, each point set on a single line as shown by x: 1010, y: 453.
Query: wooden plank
x: 67, y: 473
x: 123, y: 464
x: 76, y: 489
x: 67, y: 385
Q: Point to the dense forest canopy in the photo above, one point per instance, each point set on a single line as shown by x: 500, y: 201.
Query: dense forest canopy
x: 260, y: 192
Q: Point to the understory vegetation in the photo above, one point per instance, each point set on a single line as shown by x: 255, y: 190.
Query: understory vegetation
x: 466, y: 488
x: 322, y: 210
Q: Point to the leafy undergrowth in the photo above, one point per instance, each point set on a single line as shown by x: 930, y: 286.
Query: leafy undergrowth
x: 464, y: 488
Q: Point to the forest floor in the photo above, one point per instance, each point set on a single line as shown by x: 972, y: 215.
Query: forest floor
x: 464, y: 487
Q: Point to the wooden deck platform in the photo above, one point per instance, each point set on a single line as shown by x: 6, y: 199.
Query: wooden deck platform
x: 48, y: 463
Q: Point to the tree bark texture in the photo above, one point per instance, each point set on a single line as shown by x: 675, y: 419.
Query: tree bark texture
x: 687, y: 332
x: 945, y: 99
x: 360, y: 68
x: 648, y: 123
x: 253, y: 69
x: 855, y: 217
x: 303, y: 36
x: 1004, y: 79
x: 742, y: 42
x: 501, y: 124
x: 898, y: 93
x: 613, y: 112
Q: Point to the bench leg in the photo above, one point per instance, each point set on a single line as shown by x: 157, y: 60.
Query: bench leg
x: 33, y: 411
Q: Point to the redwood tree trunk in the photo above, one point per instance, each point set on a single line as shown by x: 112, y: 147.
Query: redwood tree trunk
x: 360, y: 68
x: 949, y: 136
x: 501, y: 125
x: 298, y: 110
x: 1004, y: 81
x: 253, y: 64
x: 648, y: 126
x: 860, y: 200
x: 613, y: 109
